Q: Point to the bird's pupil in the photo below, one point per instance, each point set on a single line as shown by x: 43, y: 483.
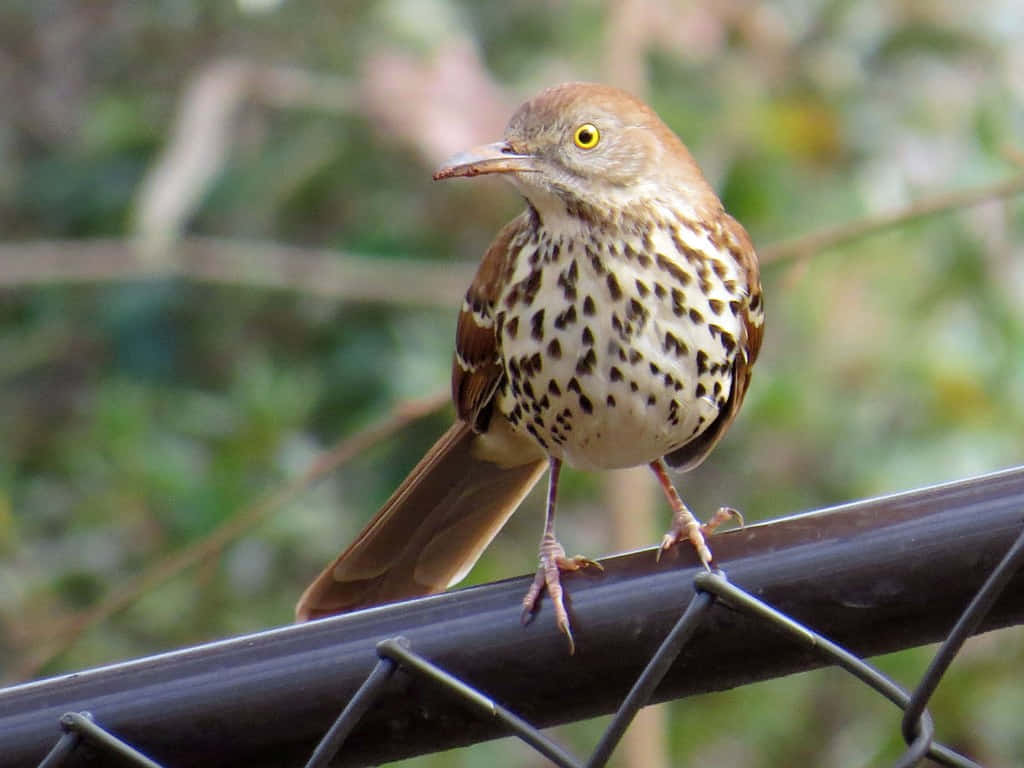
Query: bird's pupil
x: 586, y: 136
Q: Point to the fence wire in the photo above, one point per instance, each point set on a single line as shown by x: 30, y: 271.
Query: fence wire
x: 398, y: 653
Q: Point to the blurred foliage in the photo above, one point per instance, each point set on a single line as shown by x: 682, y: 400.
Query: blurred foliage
x: 138, y: 414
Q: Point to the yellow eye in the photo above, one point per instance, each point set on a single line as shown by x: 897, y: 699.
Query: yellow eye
x: 586, y: 136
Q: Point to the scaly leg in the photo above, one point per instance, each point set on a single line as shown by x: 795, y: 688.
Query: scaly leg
x: 684, y: 524
x: 552, y: 561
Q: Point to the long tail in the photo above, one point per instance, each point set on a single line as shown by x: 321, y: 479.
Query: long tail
x: 435, y: 525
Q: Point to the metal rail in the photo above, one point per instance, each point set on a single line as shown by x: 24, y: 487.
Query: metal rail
x: 873, y: 576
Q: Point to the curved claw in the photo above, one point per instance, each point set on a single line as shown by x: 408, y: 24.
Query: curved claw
x: 722, y: 515
x: 553, y: 562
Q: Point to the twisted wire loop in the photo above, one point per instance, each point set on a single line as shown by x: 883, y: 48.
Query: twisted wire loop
x: 920, y: 741
x: 80, y: 728
x: 965, y: 626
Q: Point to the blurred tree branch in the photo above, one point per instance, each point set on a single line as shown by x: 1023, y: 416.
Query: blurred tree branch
x: 833, y: 237
x: 332, y: 274
x: 316, y: 272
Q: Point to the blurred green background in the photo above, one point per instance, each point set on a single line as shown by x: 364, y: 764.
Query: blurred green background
x: 190, y: 191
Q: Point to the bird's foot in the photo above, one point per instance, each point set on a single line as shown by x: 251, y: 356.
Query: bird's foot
x: 553, y: 561
x: 686, y: 527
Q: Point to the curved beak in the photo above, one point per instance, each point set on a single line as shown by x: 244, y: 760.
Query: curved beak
x: 498, y: 157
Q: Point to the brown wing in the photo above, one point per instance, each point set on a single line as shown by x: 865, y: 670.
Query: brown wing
x: 476, y: 369
x: 739, y: 244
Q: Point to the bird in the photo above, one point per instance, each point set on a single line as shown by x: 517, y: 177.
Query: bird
x: 613, y: 323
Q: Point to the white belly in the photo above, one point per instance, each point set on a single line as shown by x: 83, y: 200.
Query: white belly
x: 614, y: 373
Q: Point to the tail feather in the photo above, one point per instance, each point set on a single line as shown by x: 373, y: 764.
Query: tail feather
x: 431, y: 531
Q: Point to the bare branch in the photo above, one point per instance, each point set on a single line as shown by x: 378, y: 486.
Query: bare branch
x: 337, y: 275
x: 816, y: 242
x: 318, y: 272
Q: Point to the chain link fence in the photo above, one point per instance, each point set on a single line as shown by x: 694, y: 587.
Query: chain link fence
x: 822, y: 588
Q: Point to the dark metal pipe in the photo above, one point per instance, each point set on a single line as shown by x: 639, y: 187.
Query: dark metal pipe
x: 874, y: 576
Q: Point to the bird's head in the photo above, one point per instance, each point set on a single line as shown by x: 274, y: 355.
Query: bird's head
x: 582, y: 143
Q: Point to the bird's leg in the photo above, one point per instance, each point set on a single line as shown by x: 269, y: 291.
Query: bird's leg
x: 553, y: 560
x: 684, y: 524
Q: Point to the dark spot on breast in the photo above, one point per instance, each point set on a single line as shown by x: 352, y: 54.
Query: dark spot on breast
x: 696, y: 316
x: 610, y: 401
x: 702, y: 361
x: 533, y: 431
x: 586, y: 405
x: 585, y: 365
x: 635, y: 356
x: 587, y: 337
x: 512, y: 327
x: 614, y: 374
x: 678, y: 302
x: 564, y: 319
x: 674, y: 344
x: 716, y: 306
x: 680, y: 275
x: 532, y: 365
x: 642, y: 289
x: 613, y: 287
x: 567, y: 281
x: 574, y: 386
x: 555, y: 350
x: 701, y: 390
x: 588, y: 306
x: 652, y: 400
x: 537, y: 325
x: 727, y: 339
x: 635, y: 310
x: 553, y: 388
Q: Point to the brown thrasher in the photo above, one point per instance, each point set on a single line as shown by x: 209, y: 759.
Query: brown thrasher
x: 613, y: 323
